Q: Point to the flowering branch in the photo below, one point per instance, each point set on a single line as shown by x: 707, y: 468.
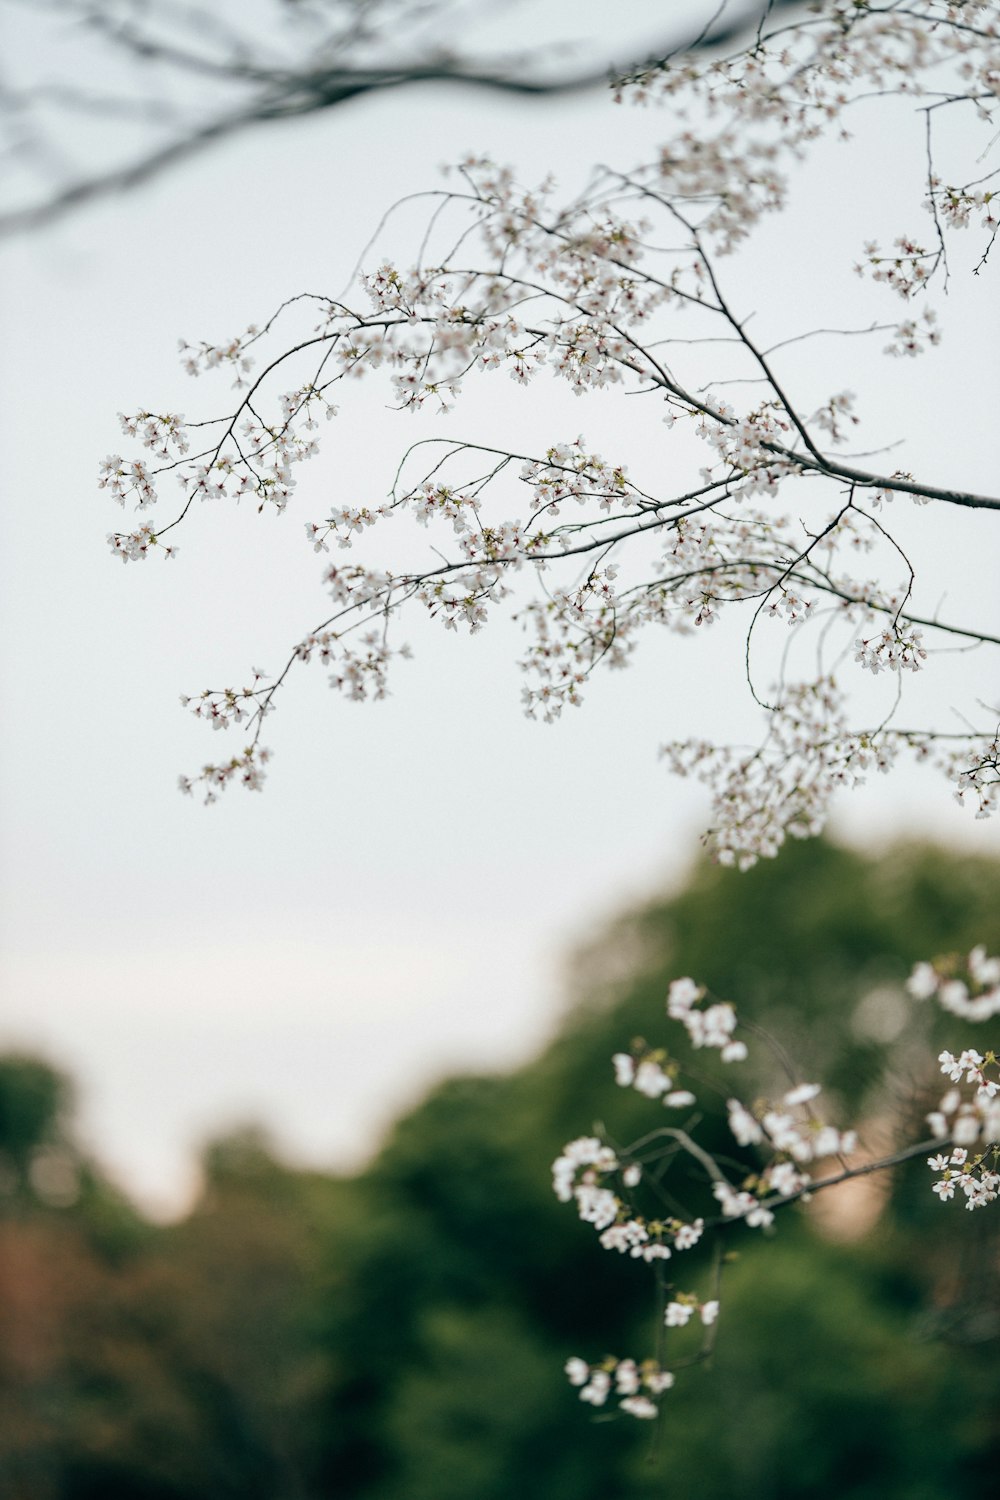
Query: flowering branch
x: 604, y: 1181
x: 593, y: 292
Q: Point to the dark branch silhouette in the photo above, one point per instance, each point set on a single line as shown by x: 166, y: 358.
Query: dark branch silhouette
x: 357, y: 49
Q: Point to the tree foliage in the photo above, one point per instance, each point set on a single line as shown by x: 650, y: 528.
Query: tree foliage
x: 400, y: 1334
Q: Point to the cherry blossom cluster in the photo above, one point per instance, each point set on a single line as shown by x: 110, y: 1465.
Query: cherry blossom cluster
x: 876, y: 497
x: 232, y: 706
x: 204, y: 356
x: 123, y: 478
x: 981, y: 779
x: 606, y: 1183
x: 247, y: 768
x: 958, y: 205
x: 653, y: 1074
x: 253, y: 460
x: 120, y: 479
x: 741, y: 180
x: 968, y: 988
x: 837, y: 416
x: 134, y: 546
x: 709, y: 1027
x: 343, y: 523
x: 361, y: 673
x: 582, y: 1175
x: 964, y: 1120
x: 784, y: 787
x: 975, y: 1178
x: 634, y: 1386
x: 682, y: 1309
x: 794, y: 1134
x: 791, y: 1134
x: 569, y: 472
x: 907, y: 269
x: 652, y: 1071
x: 913, y: 336
x: 158, y: 431
x: 893, y: 651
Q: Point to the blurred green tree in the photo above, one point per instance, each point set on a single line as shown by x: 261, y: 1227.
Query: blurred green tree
x: 400, y: 1336
x: 460, y: 1233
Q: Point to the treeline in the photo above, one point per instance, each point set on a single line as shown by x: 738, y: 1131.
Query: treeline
x: 401, y: 1335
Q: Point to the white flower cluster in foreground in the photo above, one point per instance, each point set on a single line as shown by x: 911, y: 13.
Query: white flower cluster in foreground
x: 610, y: 1185
x: 633, y: 1385
x: 968, y: 1114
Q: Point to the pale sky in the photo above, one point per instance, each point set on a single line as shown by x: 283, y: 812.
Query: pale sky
x: 397, y: 902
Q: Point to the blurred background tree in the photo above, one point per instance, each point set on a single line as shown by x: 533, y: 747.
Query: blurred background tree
x: 147, y: 84
x: 400, y: 1336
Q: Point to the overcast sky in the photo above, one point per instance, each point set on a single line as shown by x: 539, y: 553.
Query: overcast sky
x: 396, y: 903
